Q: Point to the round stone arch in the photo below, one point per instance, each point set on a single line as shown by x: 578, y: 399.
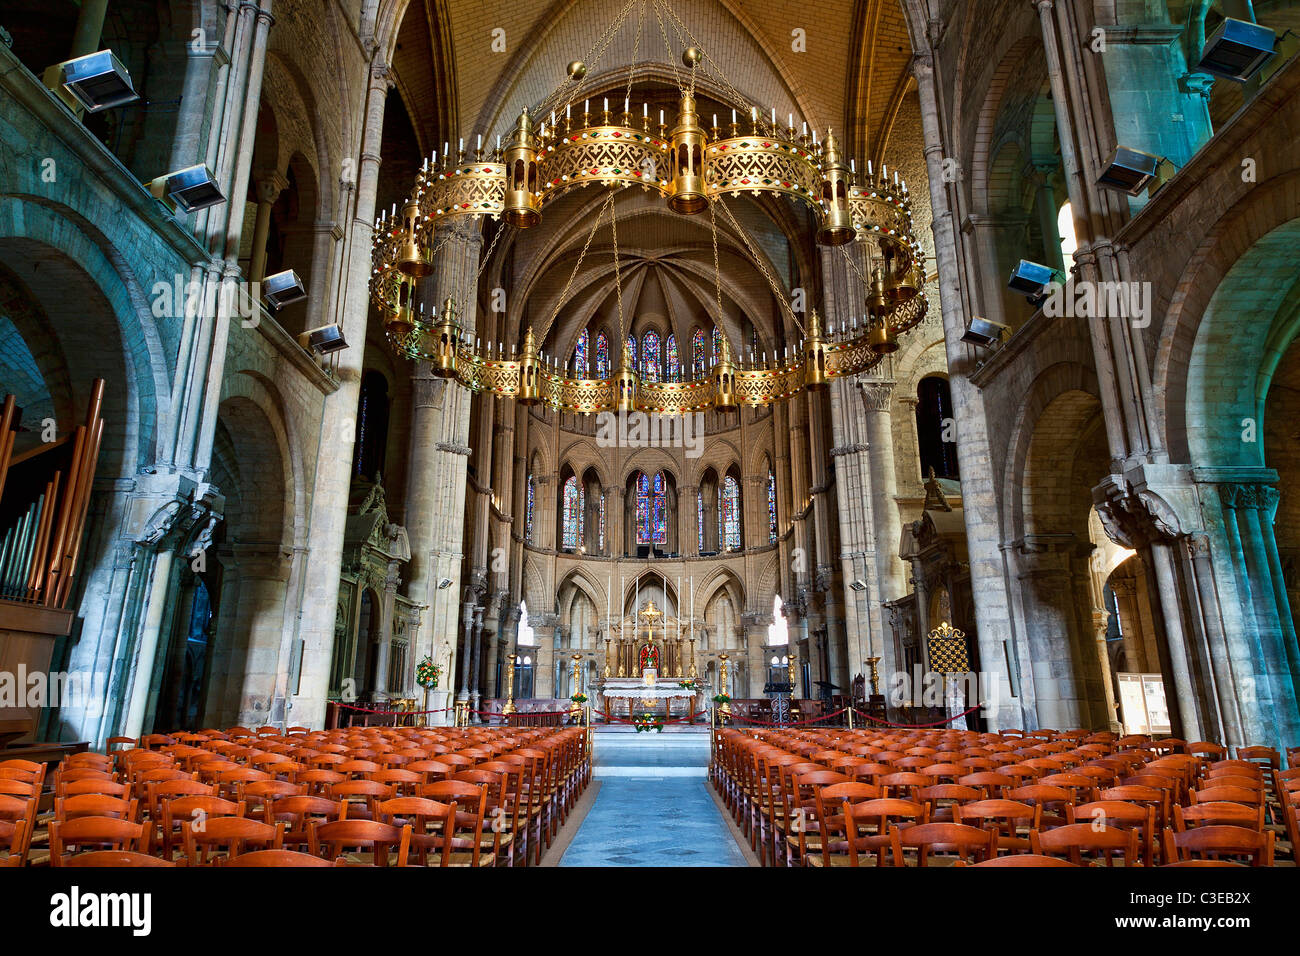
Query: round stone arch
x: 983, y: 149
x: 249, y: 400
x: 1233, y: 362
x: 1076, y: 386
x: 1266, y: 208
x: 96, y: 301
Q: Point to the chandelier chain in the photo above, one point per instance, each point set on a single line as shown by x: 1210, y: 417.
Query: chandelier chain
x: 762, y: 266
x: 769, y: 129
x: 564, y: 293
x: 558, y: 96
x: 618, y: 282
x: 470, y: 283
x: 636, y: 50
x: 668, y: 48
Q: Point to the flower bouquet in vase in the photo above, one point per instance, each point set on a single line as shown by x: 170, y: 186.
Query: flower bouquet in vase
x: 427, y: 674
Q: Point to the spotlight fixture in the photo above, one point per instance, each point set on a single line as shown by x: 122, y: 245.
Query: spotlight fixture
x: 857, y: 585
x: 1237, y: 50
x: 444, y: 584
x: 98, y: 81
x: 192, y: 188
x: 1031, y: 279
x: 283, y: 288
x: 981, y: 331
x: 324, y: 340
x: 1129, y: 170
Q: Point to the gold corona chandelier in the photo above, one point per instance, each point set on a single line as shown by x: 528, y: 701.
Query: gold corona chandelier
x: 695, y: 170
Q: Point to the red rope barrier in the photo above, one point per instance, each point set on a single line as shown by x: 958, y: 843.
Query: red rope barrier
x: 937, y: 723
x: 791, y: 723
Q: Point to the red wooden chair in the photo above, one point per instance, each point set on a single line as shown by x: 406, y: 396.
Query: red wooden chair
x: 1075, y: 839
x: 927, y: 838
x: 363, y: 836
x: 1211, y: 842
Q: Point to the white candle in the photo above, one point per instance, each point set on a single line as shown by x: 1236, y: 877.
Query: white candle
x: 609, y: 589
x: 661, y: 117
x: 478, y: 146
x: 462, y: 144
x: 627, y: 104
x: 733, y: 117
x: 606, y: 107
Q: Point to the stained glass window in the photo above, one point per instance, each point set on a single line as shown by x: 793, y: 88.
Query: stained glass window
x: 671, y: 363
x: 650, y: 356
x: 572, y: 513
x: 652, y: 509
x: 730, y: 508
x: 771, y: 506
x: 699, y: 518
x: 601, y: 505
x: 631, y: 349
x: 528, y: 511
x: 717, y: 344
x: 697, y: 350
x: 602, y: 355
x: 580, y: 355
x: 661, y: 509
x: 643, y: 509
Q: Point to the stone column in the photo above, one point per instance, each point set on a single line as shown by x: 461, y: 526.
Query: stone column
x: 467, y: 631
x: 1125, y: 590
x: 756, y: 651
x: 338, y: 431
x: 385, y: 681
x: 544, y: 660
x: 269, y: 185
x: 688, y: 520
x: 475, y: 661
x: 979, y: 488
x: 437, y: 454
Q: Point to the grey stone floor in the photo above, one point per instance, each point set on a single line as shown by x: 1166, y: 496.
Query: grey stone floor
x: 653, y: 808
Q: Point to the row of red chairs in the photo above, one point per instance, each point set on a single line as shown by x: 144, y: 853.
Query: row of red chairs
x: 794, y: 794
x: 444, y: 796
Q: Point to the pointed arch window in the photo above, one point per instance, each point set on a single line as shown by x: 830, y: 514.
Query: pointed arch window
x: 631, y: 350
x: 729, y: 509
x: 580, y: 354
x: 650, y: 368
x: 717, y: 344
x: 697, y: 350
x: 602, y: 355
x: 771, y: 507
x: 652, y: 509
x: 699, y: 519
x: 672, y: 365
x: 572, y: 513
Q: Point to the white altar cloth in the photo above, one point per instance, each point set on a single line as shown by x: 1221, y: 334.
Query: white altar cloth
x: 654, y: 692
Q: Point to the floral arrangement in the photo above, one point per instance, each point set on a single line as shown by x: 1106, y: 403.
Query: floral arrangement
x: 648, y: 722
x: 579, y: 698
x: 721, y: 699
x: 692, y: 683
x: 427, y: 673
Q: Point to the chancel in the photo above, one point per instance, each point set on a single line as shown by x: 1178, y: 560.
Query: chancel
x: 649, y: 432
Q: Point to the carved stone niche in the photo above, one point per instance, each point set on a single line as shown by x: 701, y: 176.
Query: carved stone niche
x: 375, y: 550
